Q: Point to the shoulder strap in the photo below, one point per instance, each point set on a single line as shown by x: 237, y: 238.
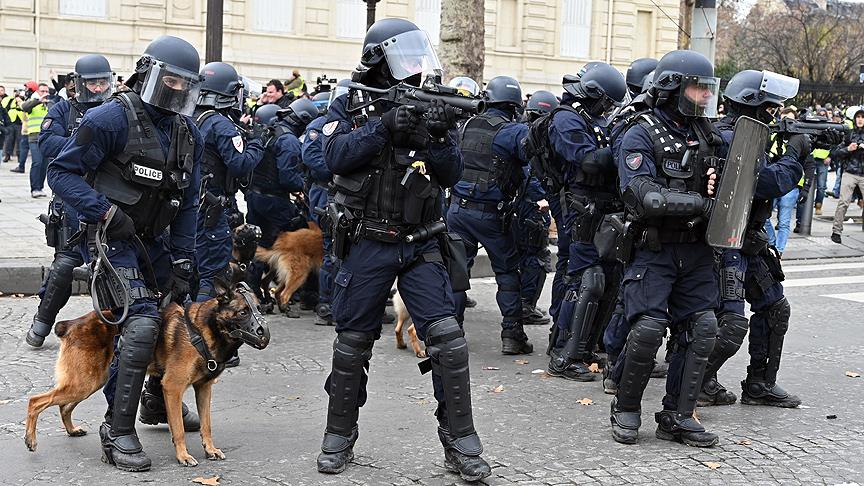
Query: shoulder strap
x: 204, y: 117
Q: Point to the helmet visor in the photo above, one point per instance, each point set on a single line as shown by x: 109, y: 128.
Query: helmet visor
x: 94, y: 88
x: 465, y: 86
x: 410, y: 53
x: 698, y: 96
x: 779, y: 86
x: 171, y: 88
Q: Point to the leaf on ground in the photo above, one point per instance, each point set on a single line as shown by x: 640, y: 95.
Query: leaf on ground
x: 498, y: 389
x: 538, y: 371
x: 422, y: 402
x: 292, y: 398
x: 594, y: 368
x: 491, y: 368
x: 853, y: 374
x: 713, y: 465
x: 585, y: 401
x: 214, y: 481
x: 745, y: 442
x: 520, y: 361
x: 4, y: 402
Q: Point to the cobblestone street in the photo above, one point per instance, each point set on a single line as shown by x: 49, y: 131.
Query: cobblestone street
x: 269, y: 412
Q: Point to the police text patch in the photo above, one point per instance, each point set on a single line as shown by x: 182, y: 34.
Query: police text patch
x: 47, y: 124
x: 634, y: 161
x: 330, y: 128
x: 238, y: 143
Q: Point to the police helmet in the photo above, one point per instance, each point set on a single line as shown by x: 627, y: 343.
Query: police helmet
x: 850, y: 112
x: 503, y: 90
x: 637, y: 72
x: 340, y: 89
x: 686, y: 78
x: 402, y: 47
x: 465, y: 86
x: 599, y: 89
x: 222, y: 86
x: 540, y: 103
x: 93, y: 78
x: 167, y: 77
x: 251, y: 88
x: 322, y: 101
x: 647, y: 82
x: 299, y: 113
x: 753, y: 93
x: 266, y: 114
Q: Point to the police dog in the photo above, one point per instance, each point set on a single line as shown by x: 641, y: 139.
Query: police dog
x: 87, y: 347
x: 293, y: 255
x: 402, y: 317
x: 244, y: 243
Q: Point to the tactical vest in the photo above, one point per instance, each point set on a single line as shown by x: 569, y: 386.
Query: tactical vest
x: 395, y: 188
x: 265, y: 177
x: 141, y: 180
x: 212, y: 163
x: 482, y: 166
x: 605, y: 181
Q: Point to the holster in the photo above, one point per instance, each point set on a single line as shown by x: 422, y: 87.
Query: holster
x: 213, y: 208
x: 110, y: 291
x: 625, y: 242
x: 341, y: 229
x: 53, y: 227
x: 455, y: 260
x: 587, y: 220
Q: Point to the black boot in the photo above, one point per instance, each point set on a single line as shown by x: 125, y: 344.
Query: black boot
x: 713, y: 393
x: 610, y: 387
x: 336, y: 453
x: 683, y: 428
x: 233, y: 361
x: 625, y: 424
x: 515, y: 341
x: 569, y: 370
x: 38, y: 332
x: 153, y: 407
x: 471, y: 468
x: 470, y: 303
x: 532, y: 316
x: 323, y: 315
x: 756, y: 390
x: 123, y: 452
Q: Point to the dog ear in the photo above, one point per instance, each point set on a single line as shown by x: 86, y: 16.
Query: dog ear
x: 222, y: 287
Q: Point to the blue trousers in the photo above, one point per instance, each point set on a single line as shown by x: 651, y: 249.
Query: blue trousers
x: 486, y: 228
x: 38, y: 168
x: 213, y: 248
x: 785, y: 206
x: 318, y: 199
x: 559, y: 287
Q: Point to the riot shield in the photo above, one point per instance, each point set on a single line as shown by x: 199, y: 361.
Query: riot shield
x: 737, y: 184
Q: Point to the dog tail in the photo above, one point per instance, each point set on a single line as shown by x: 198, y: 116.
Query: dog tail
x: 264, y: 254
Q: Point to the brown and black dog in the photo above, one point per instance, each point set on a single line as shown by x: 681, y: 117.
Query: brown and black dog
x: 293, y: 255
x: 87, y: 347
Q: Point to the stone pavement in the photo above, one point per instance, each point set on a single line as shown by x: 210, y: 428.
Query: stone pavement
x: 269, y: 413
x: 24, y: 258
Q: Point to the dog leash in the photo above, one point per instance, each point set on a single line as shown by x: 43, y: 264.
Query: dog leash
x: 214, y: 367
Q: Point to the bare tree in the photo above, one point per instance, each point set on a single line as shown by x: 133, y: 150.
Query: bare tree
x: 685, y: 20
x: 462, y: 38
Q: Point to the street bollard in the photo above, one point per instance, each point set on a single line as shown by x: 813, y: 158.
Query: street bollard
x: 807, y: 213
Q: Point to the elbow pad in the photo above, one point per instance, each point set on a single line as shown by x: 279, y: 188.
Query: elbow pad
x: 648, y: 199
x: 599, y: 162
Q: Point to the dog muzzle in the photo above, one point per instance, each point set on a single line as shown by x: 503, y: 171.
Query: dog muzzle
x: 254, y: 331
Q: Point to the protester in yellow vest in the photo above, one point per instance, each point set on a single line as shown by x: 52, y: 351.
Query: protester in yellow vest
x: 36, y: 108
x: 12, y: 105
x: 295, y: 84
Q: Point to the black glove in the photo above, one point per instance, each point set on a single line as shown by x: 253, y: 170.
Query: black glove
x: 439, y: 120
x: 800, y: 144
x: 399, y: 121
x: 179, y: 282
x: 833, y: 136
x: 802, y: 196
x: 121, y: 226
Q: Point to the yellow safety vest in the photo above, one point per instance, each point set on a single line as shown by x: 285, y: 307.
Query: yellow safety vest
x: 299, y: 89
x: 11, y: 107
x: 35, y: 117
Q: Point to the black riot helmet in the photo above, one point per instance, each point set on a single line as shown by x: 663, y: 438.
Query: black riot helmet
x: 222, y: 86
x: 636, y: 73
x: 758, y: 94
x: 503, y: 92
x: 599, y: 89
x: 94, y: 80
x: 266, y: 115
x: 686, y: 78
x: 167, y: 77
x: 540, y: 103
x: 299, y: 113
x: 396, y: 50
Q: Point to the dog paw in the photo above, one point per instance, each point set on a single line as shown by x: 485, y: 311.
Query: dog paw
x: 30, y: 443
x: 77, y: 432
x: 215, y: 454
x: 187, y: 460
x: 401, y: 346
x: 421, y: 354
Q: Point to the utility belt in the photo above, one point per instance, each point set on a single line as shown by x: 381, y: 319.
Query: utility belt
x: 273, y: 193
x: 385, y: 233
x: 486, y: 207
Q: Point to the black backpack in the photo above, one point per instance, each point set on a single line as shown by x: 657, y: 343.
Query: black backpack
x: 541, y: 155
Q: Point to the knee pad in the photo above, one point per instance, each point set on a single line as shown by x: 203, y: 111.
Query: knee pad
x: 352, y: 349
x: 703, y: 327
x: 731, y: 329
x: 446, y: 340
x: 777, y: 316
x: 645, y: 338
x: 139, y: 340
x: 508, y: 282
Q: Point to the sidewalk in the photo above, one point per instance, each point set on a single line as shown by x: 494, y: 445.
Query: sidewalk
x: 24, y: 257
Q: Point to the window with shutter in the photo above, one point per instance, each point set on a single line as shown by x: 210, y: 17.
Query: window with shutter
x: 273, y: 16
x: 84, y: 8
x: 576, y: 28
x: 350, y: 19
x: 428, y: 17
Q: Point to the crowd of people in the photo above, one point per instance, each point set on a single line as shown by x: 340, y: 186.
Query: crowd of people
x: 407, y: 177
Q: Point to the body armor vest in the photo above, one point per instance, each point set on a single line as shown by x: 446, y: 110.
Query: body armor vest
x: 482, y: 166
x: 265, y: 177
x: 141, y: 180
x: 605, y: 182
x: 212, y: 163
x: 394, y: 188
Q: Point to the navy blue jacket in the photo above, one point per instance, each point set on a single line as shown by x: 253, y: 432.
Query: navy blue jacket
x: 348, y: 149
x: 52, y: 137
x: 572, y: 139
x: 508, y: 147
x: 637, y: 142
x: 288, y: 154
x: 220, y: 134
x: 313, y: 152
x: 102, y: 134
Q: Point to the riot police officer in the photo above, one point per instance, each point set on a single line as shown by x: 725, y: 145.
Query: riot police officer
x: 388, y: 174
x: 320, y: 175
x: 753, y: 272
x: 227, y: 158
x: 581, y: 144
x: 140, y: 154
x: 666, y: 166
x: 481, y: 202
x: 92, y: 83
x: 272, y: 197
x: 636, y: 74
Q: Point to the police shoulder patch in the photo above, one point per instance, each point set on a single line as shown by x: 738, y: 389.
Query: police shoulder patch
x: 46, y: 124
x: 330, y: 128
x: 238, y: 143
x: 313, y: 135
x: 634, y: 161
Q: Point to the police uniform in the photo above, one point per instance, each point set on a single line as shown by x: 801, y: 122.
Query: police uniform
x: 227, y: 158
x: 531, y: 233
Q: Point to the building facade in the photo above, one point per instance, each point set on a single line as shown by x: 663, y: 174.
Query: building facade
x: 536, y: 41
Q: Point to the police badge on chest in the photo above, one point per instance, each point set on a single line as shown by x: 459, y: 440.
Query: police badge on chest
x: 147, y: 172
